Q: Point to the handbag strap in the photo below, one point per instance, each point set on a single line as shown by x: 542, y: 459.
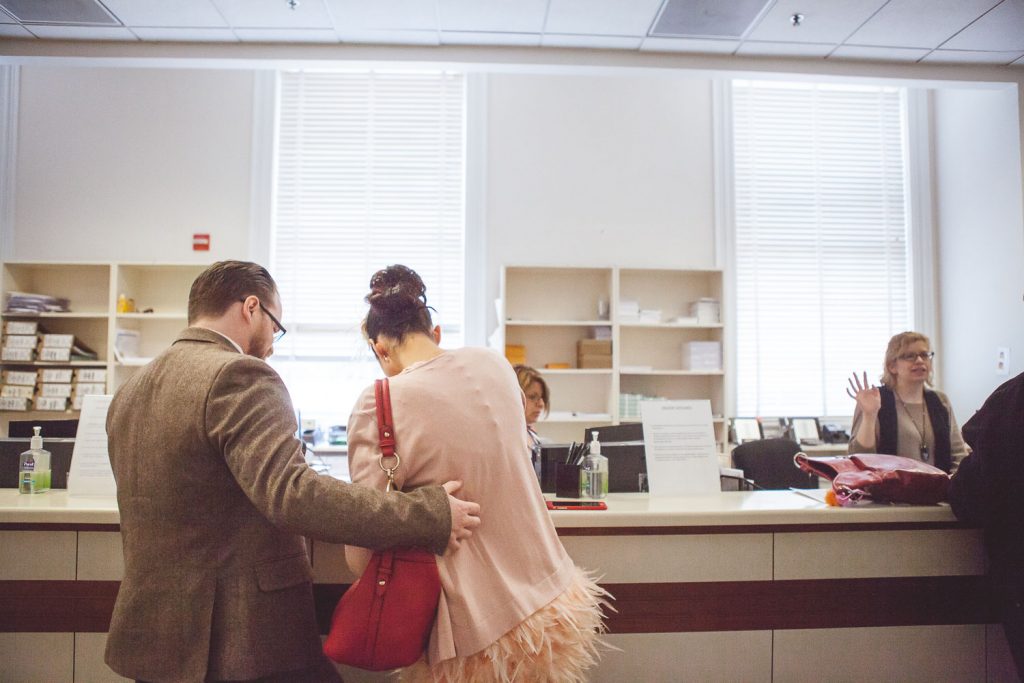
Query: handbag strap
x: 386, y: 431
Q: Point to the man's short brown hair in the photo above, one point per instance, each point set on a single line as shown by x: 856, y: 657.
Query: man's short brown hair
x: 228, y: 282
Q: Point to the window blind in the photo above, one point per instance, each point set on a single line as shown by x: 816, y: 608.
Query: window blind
x: 369, y: 171
x: 821, y: 241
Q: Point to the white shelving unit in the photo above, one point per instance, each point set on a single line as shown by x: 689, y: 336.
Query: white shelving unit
x: 548, y: 309
x: 93, y: 290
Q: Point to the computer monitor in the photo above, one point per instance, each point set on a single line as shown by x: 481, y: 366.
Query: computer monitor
x: 746, y: 429
x: 805, y: 430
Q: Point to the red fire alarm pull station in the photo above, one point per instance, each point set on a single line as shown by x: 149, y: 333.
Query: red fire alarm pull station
x: 201, y: 242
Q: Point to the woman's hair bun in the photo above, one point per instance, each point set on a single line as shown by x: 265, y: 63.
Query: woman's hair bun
x: 396, y: 289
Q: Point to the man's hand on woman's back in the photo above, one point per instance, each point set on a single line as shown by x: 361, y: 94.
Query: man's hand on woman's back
x: 465, y: 515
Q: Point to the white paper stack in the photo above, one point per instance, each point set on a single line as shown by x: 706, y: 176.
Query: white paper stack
x: 702, y: 355
x: 707, y: 311
x: 629, y: 310
x: 650, y: 315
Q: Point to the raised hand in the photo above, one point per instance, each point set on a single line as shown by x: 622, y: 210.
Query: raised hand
x: 867, y: 396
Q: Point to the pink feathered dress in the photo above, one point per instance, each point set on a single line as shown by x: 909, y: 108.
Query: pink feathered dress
x: 513, y: 605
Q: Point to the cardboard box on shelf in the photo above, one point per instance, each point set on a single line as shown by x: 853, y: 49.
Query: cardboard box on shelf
x: 26, y: 377
x: 89, y: 388
x: 14, y: 403
x: 594, y: 347
x: 593, y: 361
x: 50, y: 403
x: 56, y: 375
x: 21, y: 327
x: 18, y: 391
x: 18, y: 354
x: 21, y: 341
x: 55, y: 355
x: 58, y: 341
x: 515, y: 353
x: 91, y: 375
x: 55, y: 390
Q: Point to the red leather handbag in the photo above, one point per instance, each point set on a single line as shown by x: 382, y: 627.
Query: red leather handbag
x: 879, y: 477
x: 383, y: 621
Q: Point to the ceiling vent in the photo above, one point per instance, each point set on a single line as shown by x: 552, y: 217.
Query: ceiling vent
x: 707, y: 18
x: 75, y: 12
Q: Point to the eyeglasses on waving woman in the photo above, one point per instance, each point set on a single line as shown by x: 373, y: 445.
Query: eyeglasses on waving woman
x: 922, y: 355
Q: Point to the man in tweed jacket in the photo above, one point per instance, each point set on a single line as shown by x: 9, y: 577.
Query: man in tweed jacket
x: 215, y: 498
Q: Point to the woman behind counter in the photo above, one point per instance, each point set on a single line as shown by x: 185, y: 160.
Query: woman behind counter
x: 513, y: 605
x: 538, y: 402
x: 904, y: 416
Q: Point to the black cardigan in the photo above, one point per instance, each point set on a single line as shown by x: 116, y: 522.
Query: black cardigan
x: 938, y: 415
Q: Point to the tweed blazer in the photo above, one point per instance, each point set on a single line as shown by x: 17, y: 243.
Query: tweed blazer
x: 215, y: 498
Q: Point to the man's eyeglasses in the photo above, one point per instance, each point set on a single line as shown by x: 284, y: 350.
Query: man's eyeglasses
x: 911, y: 357
x: 279, y: 330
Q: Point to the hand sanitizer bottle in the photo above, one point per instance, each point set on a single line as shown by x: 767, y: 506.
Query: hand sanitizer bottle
x: 596, y: 466
x: 34, y: 467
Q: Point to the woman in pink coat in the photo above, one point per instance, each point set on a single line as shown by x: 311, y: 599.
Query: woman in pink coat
x: 513, y: 605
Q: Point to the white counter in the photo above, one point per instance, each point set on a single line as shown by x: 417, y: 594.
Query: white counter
x: 733, y: 586
x: 757, y: 508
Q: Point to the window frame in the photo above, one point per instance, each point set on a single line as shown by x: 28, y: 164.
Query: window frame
x: 922, y: 254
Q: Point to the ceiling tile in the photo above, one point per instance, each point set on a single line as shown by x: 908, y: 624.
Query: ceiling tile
x: 485, y: 38
x: 497, y: 16
x: 386, y: 37
x: 707, y: 18
x: 275, y: 14
x: 186, y: 35
x: 824, y: 21
x: 81, y: 32
x: 878, y: 54
x: 694, y: 45
x: 973, y: 57
x: 595, y: 42
x: 919, y: 23
x: 753, y: 47
x: 60, y: 12
x: 1000, y: 29
x: 601, y: 17
x: 286, y: 35
x: 14, y: 31
x: 180, y: 13
x: 384, y: 14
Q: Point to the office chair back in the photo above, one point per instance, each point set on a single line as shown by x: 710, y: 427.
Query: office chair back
x: 769, y: 463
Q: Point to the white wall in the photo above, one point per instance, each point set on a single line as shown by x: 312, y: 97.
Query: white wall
x: 980, y: 240
x: 598, y: 170
x: 617, y: 169
x: 125, y: 164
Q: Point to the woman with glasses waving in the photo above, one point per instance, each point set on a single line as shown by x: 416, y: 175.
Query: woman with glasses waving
x: 904, y: 416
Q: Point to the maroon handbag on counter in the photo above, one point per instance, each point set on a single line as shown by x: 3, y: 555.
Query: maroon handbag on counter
x: 383, y: 621
x: 879, y: 477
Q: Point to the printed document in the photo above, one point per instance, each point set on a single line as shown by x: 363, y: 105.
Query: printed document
x: 679, y: 440
x: 90, y: 473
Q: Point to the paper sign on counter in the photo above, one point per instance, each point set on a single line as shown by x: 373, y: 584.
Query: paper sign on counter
x: 679, y: 440
x: 90, y: 473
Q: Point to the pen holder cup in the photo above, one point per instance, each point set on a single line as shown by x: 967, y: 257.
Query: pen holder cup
x: 567, y: 480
